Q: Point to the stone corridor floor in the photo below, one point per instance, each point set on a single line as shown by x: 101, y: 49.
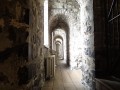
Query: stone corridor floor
x: 65, y: 79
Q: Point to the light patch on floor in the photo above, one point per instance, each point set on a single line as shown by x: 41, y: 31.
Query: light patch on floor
x: 65, y: 79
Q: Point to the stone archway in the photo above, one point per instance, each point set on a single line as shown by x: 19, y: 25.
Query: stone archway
x: 58, y: 49
x: 59, y: 21
x: 63, y: 46
x: 61, y: 51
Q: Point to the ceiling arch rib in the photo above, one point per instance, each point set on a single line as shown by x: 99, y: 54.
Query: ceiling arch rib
x: 59, y: 21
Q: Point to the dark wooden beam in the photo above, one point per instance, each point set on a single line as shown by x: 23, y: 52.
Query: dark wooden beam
x: 114, y: 18
x: 112, y: 5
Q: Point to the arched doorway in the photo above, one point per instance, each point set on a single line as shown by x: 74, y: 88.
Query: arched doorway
x: 60, y: 22
x: 62, y: 46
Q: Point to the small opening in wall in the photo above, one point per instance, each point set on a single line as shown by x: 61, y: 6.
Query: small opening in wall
x: 46, y: 43
x: 26, y: 16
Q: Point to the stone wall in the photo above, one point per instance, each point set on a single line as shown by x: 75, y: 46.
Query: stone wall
x: 87, y: 32
x: 14, y: 31
x: 21, y: 45
x: 36, y: 48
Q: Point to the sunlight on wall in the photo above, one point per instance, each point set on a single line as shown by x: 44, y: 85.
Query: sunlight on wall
x: 87, y: 44
x: 46, y: 42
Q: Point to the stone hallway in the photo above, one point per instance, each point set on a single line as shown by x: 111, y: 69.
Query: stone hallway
x: 65, y: 79
x: 85, y: 33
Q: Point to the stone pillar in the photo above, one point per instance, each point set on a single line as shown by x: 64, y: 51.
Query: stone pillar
x: 62, y: 51
x: 87, y: 31
x: 57, y: 49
